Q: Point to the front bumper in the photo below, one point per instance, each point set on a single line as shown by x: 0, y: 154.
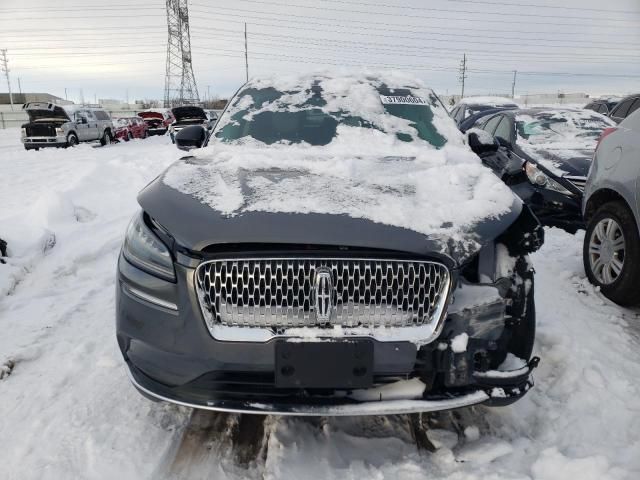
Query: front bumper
x: 172, y: 356
x: 39, y: 142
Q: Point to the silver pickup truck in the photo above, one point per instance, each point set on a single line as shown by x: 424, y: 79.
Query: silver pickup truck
x: 52, y: 125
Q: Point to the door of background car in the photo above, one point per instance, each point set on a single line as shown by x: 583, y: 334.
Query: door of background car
x: 82, y: 125
x: 503, y: 162
x: 624, y: 109
x: 93, y: 130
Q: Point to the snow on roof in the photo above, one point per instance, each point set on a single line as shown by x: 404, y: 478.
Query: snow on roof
x: 488, y: 100
x: 363, y: 172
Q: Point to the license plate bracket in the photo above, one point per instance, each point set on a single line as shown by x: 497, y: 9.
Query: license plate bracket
x: 345, y: 364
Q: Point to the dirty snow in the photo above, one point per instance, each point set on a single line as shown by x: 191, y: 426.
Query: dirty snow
x: 67, y: 409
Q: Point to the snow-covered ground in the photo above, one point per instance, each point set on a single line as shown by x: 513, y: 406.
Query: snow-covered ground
x: 67, y: 409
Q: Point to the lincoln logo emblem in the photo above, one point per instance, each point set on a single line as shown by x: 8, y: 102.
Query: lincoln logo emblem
x: 323, y: 287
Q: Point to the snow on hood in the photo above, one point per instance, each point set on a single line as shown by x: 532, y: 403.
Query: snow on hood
x: 363, y: 172
x: 561, y: 140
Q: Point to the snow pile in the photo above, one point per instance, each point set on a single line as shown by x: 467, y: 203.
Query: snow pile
x: 490, y: 101
x: 364, y: 172
x: 67, y: 409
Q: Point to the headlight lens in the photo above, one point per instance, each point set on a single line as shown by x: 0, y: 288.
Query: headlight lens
x: 59, y: 131
x: 539, y: 178
x: 23, y: 132
x: 143, y: 249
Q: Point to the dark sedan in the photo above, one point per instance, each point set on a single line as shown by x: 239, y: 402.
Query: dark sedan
x: 336, y: 249
x: 544, y: 156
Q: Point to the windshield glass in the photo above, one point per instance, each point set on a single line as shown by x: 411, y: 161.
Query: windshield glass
x: 560, y: 126
x: 318, y: 113
x: 122, y: 122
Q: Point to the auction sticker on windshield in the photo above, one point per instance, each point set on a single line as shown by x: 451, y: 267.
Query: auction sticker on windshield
x: 402, y: 100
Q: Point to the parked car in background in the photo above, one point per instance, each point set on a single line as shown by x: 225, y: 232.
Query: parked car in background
x: 603, y: 105
x: 294, y: 270
x: 128, y: 128
x: 611, y: 251
x: 625, y: 107
x: 190, y: 115
x: 213, y: 115
x: 544, y: 156
x: 471, y: 106
x: 157, y: 121
x: 52, y: 125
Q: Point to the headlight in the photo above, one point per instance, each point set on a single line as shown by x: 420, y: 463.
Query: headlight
x: 143, y: 249
x: 23, y: 132
x: 539, y: 178
x: 59, y: 131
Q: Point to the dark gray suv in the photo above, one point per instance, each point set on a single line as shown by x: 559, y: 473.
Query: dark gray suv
x: 336, y: 249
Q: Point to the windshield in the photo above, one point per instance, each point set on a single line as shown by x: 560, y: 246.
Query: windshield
x: 122, y: 122
x: 324, y: 110
x: 560, y: 126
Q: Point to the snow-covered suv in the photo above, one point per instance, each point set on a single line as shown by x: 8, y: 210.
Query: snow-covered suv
x: 337, y: 249
x: 52, y: 125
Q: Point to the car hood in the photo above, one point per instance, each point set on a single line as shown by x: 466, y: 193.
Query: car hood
x: 200, y: 205
x: 56, y: 115
x: 188, y: 113
x: 573, y: 161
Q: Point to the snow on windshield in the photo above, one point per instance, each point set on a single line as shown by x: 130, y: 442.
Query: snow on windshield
x: 362, y: 172
x: 561, y: 134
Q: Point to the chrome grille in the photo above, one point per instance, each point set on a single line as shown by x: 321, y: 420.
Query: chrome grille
x: 280, y: 292
x: 578, y: 182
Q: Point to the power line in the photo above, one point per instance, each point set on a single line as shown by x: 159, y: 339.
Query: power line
x: 384, y: 26
x: 370, y: 30
x: 538, y: 5
x: 386, y: 49
x: 430, y: 17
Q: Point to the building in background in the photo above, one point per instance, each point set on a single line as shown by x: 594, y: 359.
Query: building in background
x: 20, y: 98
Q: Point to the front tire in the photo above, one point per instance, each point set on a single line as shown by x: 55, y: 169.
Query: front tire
x: 611, y: 253
x: 72, y: 140
x: 106, y: 138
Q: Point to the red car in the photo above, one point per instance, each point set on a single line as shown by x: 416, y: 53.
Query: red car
x: 128, y: 128
x: 158, y: 121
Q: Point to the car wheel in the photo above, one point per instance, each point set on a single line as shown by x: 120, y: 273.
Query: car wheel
x: 106, y: 138
x: 611, y: 253
x: 72, y: 140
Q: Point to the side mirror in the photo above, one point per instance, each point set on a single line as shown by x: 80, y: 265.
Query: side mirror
x: 481, y: 142
x: 191, y: 137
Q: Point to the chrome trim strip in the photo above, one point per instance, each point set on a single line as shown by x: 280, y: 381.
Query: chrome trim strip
x: 385, y: 407
x: 150, y: 298
x: 419, y: 335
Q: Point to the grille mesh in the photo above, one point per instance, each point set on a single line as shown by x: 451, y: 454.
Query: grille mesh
x: 41, y: 130
x: 279, y: 293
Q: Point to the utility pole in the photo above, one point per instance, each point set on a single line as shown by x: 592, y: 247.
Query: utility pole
x: 246, y: 55
x: 4, y: 63
x: 208, y: 93
x: 463, y: 72
x: 19, y: 86
x: 65, y: 94
x: 513, y: 85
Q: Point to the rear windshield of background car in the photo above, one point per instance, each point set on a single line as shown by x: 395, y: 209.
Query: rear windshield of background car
x: 261, y: 114
x: 101, y: 115
x: 555, y: 127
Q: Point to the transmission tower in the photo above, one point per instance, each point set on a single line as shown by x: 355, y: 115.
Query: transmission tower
x: 179, y: 84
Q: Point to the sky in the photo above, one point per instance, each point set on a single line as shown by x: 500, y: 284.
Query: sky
x: 117, y: 49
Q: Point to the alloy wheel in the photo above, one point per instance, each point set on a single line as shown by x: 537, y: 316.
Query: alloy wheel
x: 606, y: 251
